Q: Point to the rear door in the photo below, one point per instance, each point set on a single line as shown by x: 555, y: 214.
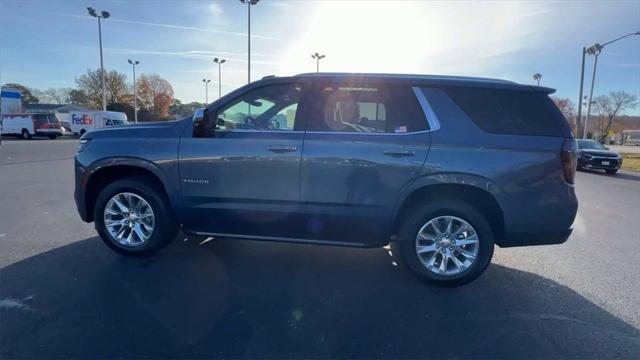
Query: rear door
x: 240, y: 172
x: 364, y: 143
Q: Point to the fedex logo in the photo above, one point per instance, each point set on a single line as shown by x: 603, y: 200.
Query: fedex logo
x: 81, y: 120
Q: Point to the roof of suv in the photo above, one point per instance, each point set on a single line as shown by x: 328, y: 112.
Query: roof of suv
x: 426, y: 79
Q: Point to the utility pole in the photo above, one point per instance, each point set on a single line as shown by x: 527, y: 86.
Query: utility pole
x: 249, y: 4
x: 206, y: 90
x: 596, y: 49
x: 103, y: 15
x: 318, y: 57
x: 135, y: 91
x: 219, y: 62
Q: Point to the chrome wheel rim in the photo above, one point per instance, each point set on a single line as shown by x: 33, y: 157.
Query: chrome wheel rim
x: 447, y: 245
x: 129, y: 219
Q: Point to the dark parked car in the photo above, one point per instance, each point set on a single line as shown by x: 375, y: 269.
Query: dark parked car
x: 443, y: 167
x: 593, y: 155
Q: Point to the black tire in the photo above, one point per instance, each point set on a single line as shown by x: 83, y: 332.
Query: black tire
x: 25, y: 134
x: 53, y: 137
x: 165, y: 227
x: 445, y: 207
x: 611, y: 171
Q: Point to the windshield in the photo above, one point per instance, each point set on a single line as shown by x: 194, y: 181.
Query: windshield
x: 112, y: 122
x: 590, y: 145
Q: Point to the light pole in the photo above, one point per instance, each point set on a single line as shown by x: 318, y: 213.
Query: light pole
x: 103, y: 15
x: 318, y: 57
x: 594, y: 50
x: 219, y: 62
x: 135, y: 92
x: 249, y: 4
x: 206, y: 90
x: 537, y: 77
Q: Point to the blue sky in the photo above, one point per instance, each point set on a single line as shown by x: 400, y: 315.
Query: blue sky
x: 50, y: 43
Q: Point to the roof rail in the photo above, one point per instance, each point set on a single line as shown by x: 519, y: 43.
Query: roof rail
x: 268, y: 77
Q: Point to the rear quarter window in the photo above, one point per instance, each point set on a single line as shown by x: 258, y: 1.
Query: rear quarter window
x: 508, y: 111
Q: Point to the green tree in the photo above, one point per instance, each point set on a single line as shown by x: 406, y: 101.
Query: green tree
x: 91, y: 84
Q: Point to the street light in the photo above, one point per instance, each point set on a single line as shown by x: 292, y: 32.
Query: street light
x: 135, y: 92
x: 249, y: 4
x: 206, y: 90
x: 219, y: 62
x: 593, y: 50
x: 318, y: 57
x: 537, y: 77
x: 103, y: 15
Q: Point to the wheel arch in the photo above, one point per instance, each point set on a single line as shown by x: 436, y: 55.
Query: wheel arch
x: 108, y: 171
x: 481, y: 199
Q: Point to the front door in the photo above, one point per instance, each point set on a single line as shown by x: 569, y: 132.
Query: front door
x: 364, y: 144
x: 243, y: 177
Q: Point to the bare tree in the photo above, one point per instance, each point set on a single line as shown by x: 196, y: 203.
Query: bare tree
x: 567, y: 109
x: 54, y: 95
x: 608, y: 106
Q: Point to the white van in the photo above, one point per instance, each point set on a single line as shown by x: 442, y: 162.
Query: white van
x: 29, y: 125
x: 83, y: 121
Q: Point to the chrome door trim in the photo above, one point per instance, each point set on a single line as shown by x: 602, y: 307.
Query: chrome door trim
x: 432, y: 119
x: 277, y: 239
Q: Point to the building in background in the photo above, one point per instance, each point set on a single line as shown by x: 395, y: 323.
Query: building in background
x: 10, y: 100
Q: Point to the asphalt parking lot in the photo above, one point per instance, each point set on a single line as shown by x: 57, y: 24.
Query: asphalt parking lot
x: 63, y: 294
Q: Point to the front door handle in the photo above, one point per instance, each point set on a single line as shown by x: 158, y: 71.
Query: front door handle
x: 281, y: 148
x: 399, y: 153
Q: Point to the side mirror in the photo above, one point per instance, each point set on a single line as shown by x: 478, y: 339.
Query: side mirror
x: 606, y: 147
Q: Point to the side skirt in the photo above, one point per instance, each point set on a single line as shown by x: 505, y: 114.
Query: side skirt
x: 282, y: 239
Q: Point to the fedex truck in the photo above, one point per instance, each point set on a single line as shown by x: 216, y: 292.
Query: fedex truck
x: 83, y: 121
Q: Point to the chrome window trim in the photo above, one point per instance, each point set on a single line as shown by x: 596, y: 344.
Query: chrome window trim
x: 432, y: 119
x: 320, y: 132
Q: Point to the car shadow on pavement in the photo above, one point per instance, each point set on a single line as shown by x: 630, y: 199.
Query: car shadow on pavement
x: 214, y: 298
x: 619, y: 175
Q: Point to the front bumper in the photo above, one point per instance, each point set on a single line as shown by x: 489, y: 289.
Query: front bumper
x: 602, y: 163
x: 79, y: 192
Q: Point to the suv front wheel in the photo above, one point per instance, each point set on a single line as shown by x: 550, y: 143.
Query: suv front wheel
x: 133, y: 217
x: 447, y: 242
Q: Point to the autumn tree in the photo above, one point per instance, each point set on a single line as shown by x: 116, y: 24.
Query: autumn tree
x: 609, y: 106
x: 91, y: 84
x: 155, y: 95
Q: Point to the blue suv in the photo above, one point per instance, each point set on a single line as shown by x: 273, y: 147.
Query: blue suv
x: 442, y: 167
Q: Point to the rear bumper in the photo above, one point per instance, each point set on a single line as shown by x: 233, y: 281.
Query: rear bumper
x: 47, y: 132
x: 537, y: 238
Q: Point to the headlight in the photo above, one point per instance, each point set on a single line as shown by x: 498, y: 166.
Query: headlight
x: 83, y: 144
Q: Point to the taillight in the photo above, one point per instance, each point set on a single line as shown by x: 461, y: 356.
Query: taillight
x: 568, y: 154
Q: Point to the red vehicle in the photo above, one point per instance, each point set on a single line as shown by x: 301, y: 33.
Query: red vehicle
x: 28, y: 125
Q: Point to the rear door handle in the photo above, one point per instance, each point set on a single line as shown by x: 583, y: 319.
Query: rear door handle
x: 399, y: 153
x: 281, y: 148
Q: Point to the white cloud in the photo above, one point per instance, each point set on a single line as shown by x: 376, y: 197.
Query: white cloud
x: 216, y: 9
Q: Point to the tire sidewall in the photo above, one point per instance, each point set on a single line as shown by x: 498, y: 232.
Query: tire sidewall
x: 164, y: 225
x: 410, y: 228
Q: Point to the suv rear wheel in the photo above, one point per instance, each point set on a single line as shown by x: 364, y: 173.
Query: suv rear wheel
x: 447, y: 242
x: 133, y: 217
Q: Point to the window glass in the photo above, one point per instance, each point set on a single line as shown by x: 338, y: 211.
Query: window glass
x: 368, y: 109
x: 268, y: 108
x: 40, y: 118
x: 507, y: 111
